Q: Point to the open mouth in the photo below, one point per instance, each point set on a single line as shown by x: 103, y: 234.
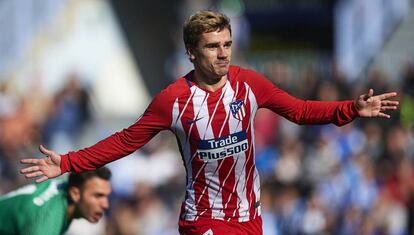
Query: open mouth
x: 97, y: 216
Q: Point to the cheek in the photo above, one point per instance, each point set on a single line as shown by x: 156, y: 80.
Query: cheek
x: 207, y: 57
x: 89, y: 205
x: 211, y: 61
x: 229, y: 52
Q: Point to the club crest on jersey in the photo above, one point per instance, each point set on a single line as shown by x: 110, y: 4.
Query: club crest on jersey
x: 238, y: 109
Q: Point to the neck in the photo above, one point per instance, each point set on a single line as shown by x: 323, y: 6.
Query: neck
x: 70, y: 211
x: 209, y: 83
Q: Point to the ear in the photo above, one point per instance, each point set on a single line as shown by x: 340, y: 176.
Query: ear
x: 190, y: 53
x: 75, y: 194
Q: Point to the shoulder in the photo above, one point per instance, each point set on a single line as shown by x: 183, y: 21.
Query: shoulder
x: 165, y: 99
x: 175, y: 89
x: 259, y: 84
x: 53, y: 190
x: 243, y: 74
x: 26, y: 192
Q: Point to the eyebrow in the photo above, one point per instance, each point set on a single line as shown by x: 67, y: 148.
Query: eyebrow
x: 213, y: 44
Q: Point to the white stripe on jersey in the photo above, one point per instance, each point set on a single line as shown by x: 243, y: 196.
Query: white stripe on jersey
x: 178, y: 118
x: 256, y: 179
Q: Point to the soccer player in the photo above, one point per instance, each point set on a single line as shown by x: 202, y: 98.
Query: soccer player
x: 50, y: 207
x: 211, y: 112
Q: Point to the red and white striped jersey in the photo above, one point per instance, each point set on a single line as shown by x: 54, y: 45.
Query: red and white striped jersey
x: 215, y: 134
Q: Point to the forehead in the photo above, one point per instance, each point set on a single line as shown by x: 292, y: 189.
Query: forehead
x: 96, y: 184
x: 215, y: 36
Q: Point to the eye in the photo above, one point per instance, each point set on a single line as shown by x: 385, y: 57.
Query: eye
x: 98, y: 195
x: 211, y: 46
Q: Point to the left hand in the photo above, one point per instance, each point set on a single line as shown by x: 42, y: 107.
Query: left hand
x: 47, y: 167
x: 369, y: 105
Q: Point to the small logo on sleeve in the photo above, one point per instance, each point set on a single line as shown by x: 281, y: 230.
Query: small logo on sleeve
x: 238, y: 109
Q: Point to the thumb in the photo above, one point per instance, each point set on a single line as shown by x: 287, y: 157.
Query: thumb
x: 369, y: 95
x: 45, y: 151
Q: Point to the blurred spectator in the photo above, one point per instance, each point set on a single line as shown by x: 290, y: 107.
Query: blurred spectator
x: 289, y: 167
x: 407, y: 106
x: 289, y: 210
x: 20, y: 120
x: 314, y: 217
x: 67, y: 115
x: 8, y: 101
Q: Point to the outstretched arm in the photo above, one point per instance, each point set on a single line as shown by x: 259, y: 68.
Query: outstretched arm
x: 45, y: 168
x: 369, y: 105
x: 156, y: 118
x: 319, y: 112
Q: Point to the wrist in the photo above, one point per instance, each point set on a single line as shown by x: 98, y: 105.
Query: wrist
x: 65, y: 163
x: 355, y: 109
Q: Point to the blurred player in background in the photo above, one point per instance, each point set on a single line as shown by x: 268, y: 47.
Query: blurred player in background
x: 50, y: 207
x: 211, y: 111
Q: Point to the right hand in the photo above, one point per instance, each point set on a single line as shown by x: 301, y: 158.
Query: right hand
x: 47, y: 167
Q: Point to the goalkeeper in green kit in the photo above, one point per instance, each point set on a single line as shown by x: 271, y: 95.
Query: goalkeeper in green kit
x: 48, y: 208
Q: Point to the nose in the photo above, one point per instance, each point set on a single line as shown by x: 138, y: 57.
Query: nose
x: 105, y: 203
x: 222, y: 52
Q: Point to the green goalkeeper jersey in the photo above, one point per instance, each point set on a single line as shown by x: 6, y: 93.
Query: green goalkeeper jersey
x: 36, y: 209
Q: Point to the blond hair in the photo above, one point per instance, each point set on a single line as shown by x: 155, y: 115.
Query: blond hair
x: 203, y: 22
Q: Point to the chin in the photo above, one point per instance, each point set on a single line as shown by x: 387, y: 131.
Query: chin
x: 222, y: 72
x: 92, y: 220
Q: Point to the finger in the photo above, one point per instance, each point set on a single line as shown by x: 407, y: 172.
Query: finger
x: 369, y: 94
x: 30, y: 169
x: 384, y: 108
x: 44, y: 150
x: 389, y: 102
x: 34, y: 174
x: 380, y: 114
x: 29, y: 161
x: 41, y: 179
x: 387, y: 95
x: 25, y: 170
